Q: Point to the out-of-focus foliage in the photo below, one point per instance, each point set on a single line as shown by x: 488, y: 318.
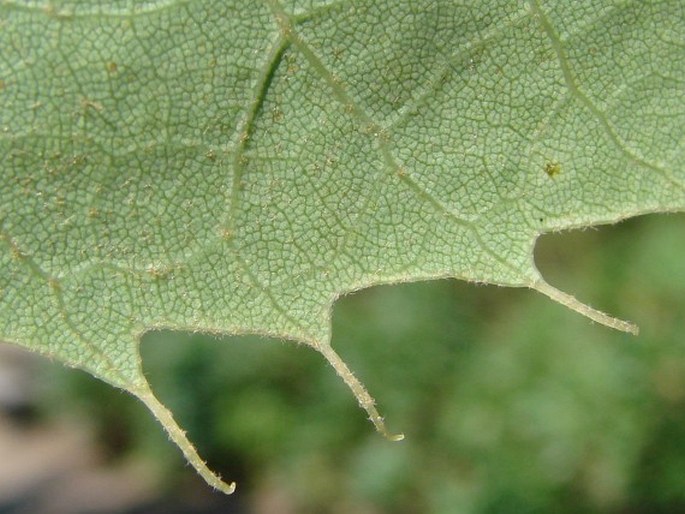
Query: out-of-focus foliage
x: 510, y: 403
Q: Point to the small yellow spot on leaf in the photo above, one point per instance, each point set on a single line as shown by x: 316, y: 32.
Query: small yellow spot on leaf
x: 277, y: 115
x: 552, y: 168
x: 156, y: 272
x: 91, y: 104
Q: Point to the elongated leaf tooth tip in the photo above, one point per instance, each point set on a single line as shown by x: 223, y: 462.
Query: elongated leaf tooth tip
x: 227, y: 488
x: 395, y: 437
x: 632, y: 328
x: 585, y: 310
x: 178, y: 436
x: 381, y: 428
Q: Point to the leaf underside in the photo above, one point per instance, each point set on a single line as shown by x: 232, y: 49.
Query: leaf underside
x: 235, y: 167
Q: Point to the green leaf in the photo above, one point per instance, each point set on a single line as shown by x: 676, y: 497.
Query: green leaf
x: 235, y: 167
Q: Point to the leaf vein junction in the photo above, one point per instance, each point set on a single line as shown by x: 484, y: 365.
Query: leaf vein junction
x: 376, y: 132
x: 583, y: 98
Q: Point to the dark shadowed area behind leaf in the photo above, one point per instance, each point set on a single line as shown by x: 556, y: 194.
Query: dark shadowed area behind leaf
x: 509, y: 403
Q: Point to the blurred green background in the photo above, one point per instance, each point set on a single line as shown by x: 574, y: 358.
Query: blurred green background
x: 509, y: 403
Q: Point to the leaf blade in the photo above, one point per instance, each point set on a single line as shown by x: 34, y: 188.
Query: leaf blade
x: 236, y: 168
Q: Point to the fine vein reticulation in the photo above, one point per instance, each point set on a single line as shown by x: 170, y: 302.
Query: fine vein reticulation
x: 235, y: 167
